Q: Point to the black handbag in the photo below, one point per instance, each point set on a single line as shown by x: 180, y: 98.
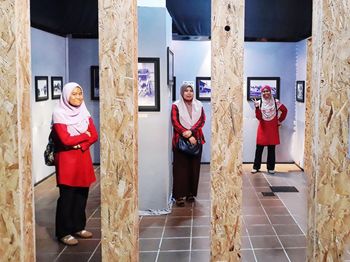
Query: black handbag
x: 49, y: 152
x: 185, y: 146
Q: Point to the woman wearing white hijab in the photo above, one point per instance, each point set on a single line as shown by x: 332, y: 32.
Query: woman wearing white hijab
x: 266, y: 111
x: 188, y: 118
x: 73, y: 132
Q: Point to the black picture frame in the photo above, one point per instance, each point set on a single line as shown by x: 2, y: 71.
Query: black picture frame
x: 56, y: 87
x: 300, y: 91
x: 254, y: 85
x: 41, y: 88
x: 148, y: 83
x: 95, y: 82
x: 173, y: 91
x: 203, y: 88
x: 170, y: 67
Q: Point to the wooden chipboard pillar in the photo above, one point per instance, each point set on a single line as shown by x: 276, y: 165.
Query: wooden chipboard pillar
x: 118, y: 132
x: 329, y: 202
x: 227, y: 40
x: 17, y: 241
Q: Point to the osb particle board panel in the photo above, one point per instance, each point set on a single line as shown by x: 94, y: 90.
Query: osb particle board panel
x: 118, y: 118
x: 16, y: 191
x: 330, y: 98
x: 226, y: 151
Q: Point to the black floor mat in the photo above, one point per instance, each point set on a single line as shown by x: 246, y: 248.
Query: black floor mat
x: 283, y: 189
x: 268, y: 193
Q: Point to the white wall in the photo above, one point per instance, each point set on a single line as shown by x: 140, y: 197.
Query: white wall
x: 299, y: 125
x: 48, y: 58
x: 192, y: 58
x: 154, y: 33
x: 274, y: 60
x: 83, y: 53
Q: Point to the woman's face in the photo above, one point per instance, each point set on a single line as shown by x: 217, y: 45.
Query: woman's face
x: 188, y: 94
x: 76, y: 98
x: 266, y: 93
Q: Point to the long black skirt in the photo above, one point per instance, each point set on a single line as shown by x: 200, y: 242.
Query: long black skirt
x: 185, y: 174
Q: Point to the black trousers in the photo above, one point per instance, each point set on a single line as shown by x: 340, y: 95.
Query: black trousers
x: 271, y: 159
x: 185, y: 174
x: 70, y: 212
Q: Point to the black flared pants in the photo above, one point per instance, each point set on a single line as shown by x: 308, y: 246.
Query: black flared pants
x: 70, y: 212
x: 271, y: 159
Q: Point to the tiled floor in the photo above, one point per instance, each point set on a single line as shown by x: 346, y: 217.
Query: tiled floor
x: 274, y: 227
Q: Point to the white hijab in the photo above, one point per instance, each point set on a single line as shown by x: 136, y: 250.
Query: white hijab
x: 185, y: 119
x: 268, y: 109
x: 76, y: 118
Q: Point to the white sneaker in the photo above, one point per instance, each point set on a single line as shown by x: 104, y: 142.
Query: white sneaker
x: 254, y: 171
x: 271, y: 171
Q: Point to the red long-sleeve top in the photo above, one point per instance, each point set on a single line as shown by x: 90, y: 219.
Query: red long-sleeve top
x: 268, y: 133
x: 74, y: 166
x: 179, y: 129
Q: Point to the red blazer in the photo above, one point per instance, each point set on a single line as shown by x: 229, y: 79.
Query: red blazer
x: 179, y: 129
x: 74, y: 166
x: 268, y: 133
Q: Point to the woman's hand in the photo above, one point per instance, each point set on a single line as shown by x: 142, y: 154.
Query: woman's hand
x: 77, y: 146
x: 88, y: 133
x: 256, y: 102
x: 192, y: 140
x: 187, y: 134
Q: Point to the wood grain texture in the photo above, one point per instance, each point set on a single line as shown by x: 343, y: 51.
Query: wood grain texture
x: 16, y: 190
x: 330, y: 99
x: 227, y: 117
x: 118, y: 117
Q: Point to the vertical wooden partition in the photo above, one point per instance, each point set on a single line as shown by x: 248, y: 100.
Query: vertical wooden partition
x: 329, y: 199
x: 16, y: 189
x: 227, y: 116
x: 118, y: 133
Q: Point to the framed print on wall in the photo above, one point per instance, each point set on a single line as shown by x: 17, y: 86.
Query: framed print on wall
x: 95, y: 83
x: 41, y: 88
x: 56, y: 86
x: 170, y: 67
x: 173, y: 91
x: 203, y: 88
x: 148, y: 84
x: 300, y: 91
x: 254, y: 85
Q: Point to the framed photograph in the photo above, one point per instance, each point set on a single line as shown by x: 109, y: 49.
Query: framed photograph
x: 56, y: 87
x: 203, y: 88
x: 41, y: 88
x: 95, y: 83
x: 148, y: 82
x: 170, y: 67
x: 300, y: 91
x: 254, y: 85
x: 173, y: 91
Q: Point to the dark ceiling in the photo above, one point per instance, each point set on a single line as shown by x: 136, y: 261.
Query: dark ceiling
x: 265, y: 20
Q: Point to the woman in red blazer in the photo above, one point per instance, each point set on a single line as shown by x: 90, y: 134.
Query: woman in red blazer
x: 188, y: 118
x: 266, y: 111
x: 73, y: 134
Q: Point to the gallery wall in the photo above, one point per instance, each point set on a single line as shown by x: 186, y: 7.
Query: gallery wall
x: 270, y: 60
x: 299, y: 134
x: 154, y: 128
x: 192, y: 58
x: 48, y: 58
